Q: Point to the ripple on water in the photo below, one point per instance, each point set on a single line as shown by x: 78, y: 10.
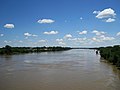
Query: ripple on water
x: 69, y: 70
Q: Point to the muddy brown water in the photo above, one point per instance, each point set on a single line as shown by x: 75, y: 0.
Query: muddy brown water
x: 67, y: 70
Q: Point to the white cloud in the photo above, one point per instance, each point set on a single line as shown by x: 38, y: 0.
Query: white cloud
x: 81, y: 18
x: 102, y: 38
x: 29, y: 34
x: 73, y: 39
x: 118, y: 34
x: 7, y: 41
x: 110, y: 20
x: 95, y: 39
x: 26, y: 37
x: 44, y: 21
x: 68, y: 36
x: 1, y: 35
x: 51, y: 32
x: 34, y: 35
x: 83, y: 32
x: 78, y: 39
x: 96, y: 12
x: 107, y: 38
x: 98, y: 32
x: 106, y: 13
x: 61, y: 43
x: 59, y: 40
x: 42, y: 41
x: 9, y: 26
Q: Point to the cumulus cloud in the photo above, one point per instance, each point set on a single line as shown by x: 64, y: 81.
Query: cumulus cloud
x: 51, y: 32
x: 5, y: 41
x: 96, y: 12
x: 83, y: 32
x: 102, y: 38
x: 95, y: 39
x: 108, y: 14
x: 34, y: 35
x: 46, y: 21
x: 29, y: 34
x: 98, y: 32
x: 68, y: 36
x: 59, y: 40
x: 110, y: 20
x: 42, y: 41
x: 118, y: 34
x: 1, y: 35
x: 81, y: 18
x: 78, y: 39
x: 62, y: 43
x: 107, y: 38
x: 9, y: 26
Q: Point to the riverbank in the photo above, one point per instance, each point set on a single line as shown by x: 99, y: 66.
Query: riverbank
x: 111, y: 54
x: 8, y: 50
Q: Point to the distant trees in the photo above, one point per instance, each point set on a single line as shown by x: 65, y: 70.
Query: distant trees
x: 6, y: 50
x: 111, y: 54
x: 16, y: 50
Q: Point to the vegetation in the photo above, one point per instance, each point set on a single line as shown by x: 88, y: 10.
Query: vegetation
x: 111, y: 54
x: 16, y: 50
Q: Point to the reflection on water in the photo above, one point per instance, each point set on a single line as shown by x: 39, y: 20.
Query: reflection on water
x: 67, y: 70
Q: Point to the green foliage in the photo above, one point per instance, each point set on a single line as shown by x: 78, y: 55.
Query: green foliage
x: 111, y: 54
x: 16, y: 50
x: 6, y: 50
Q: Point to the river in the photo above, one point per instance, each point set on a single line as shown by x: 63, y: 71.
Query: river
x: 77, y: 69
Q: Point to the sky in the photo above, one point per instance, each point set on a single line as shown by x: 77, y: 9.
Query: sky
x: 73, y: 23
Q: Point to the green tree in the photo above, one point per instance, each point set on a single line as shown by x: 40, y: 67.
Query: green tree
x: 8, y: 49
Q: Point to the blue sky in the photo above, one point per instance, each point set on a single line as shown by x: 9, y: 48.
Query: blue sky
x: 75, y: 23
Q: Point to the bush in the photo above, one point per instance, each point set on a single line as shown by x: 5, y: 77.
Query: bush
x: 111, y: 54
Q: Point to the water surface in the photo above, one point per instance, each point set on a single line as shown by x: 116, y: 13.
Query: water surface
x: 67, y: 70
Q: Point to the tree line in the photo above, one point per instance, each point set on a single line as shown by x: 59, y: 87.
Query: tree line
x: 111, y: 54
x: 16, y: 50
